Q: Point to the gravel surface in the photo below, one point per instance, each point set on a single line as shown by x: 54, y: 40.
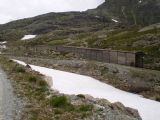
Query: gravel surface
x: 8, y: 101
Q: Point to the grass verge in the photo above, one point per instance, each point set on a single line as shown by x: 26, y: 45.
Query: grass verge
x: 40, y: 102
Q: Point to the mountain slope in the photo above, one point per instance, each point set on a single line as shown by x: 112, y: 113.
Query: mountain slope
x: 95, y: 28
x: 49, y: 22
x: 138, y: 12
x: 127, y: 12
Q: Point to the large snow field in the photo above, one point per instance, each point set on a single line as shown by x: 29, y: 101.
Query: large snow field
x: 70, y: 83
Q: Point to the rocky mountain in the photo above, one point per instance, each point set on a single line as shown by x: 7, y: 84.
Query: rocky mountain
x: 130, y: 12
x: 116, y: 24
x: 130, y: 25
x: 46, y: 23
x: 137, y: 12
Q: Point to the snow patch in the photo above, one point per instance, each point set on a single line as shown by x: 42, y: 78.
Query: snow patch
x: 115, y: 20
x: 4, y: 42
x: 140, y: 1
x: 97, y: 16
x: 3, y: 47
x: 28, y: 37
x: 70, y: 83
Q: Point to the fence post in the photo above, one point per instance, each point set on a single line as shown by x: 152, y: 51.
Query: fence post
x: 117, y: 57
x: 109, y: 54
x: 126, y: 59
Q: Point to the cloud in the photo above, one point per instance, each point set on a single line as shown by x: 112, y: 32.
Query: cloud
x: 17, y: 9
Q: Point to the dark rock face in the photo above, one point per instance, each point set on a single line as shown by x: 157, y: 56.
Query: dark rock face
x: 28, y: 66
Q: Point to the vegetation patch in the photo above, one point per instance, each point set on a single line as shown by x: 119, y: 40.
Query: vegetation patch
x: 19, y: 69
x: 58, y: 101
x: 81, y: 96
x: 85, y: 108
x: 31, y: 86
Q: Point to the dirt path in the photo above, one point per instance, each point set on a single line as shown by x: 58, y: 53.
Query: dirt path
x: 8, y: 101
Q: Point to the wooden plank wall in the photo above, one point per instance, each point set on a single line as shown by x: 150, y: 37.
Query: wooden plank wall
x: 104, y: 55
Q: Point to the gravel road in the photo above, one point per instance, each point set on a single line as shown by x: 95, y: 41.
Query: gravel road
x: 8, y: 102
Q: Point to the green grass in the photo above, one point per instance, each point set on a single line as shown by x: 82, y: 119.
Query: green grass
x: 34, y: 115
x: 85, y: 108
x: 19, y: 69
x: 32, y: 79
x: 58, y: 42
x: 58, y: 101
x: 58, y: 111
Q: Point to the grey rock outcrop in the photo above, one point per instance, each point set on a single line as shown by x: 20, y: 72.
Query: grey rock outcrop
x: 104, y: 110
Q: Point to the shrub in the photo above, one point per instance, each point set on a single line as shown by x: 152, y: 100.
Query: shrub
x: 42, y: 89
x: 139, y: 88
x: 58, y: 101
x: 58, y: 111
x: 104, y: 70
x: 32, y: 79
x: 34, y: 115
x: 19, y: 69
x: 84, y: 115
x: 81, y: 96
x: 37, y: 80
x: 158, y: 98
x: 42, y: 82
x: 85, y: 108
x: 10, y: 61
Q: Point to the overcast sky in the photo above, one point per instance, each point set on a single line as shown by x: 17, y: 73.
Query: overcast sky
x: 17, y: 9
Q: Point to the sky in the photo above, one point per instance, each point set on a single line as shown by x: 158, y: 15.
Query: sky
x: 17, y: 9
